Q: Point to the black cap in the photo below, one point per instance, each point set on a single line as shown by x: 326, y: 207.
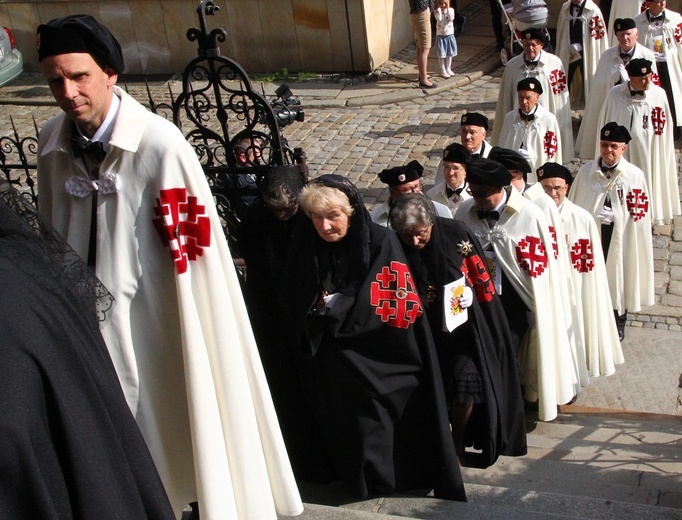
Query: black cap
x: 475, y: 119
x: 623, y: 24
x: 401, y: 174
x: 535, y: 34
x: 531, y: 84
x: 639, y: 67
x: 615, y: 133
x: 551, y: 169
x: 79, y: 33
x: 488, y: 173
x: 456, y: 153
x: 510, y: 159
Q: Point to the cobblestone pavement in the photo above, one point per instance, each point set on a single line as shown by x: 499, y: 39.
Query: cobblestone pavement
x: 359, y: 142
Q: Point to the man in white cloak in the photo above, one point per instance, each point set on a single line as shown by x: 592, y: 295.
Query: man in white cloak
x: 610, y: 72
x: 535, y: 62
x: 581, y: 40
x: 450, y: 189
x: 602, y: 348
x: 660, y: 30
x: 514, y: 234
x: 616, y: 195
x: 126, y: 191
x: 473, y: 130
x: 642, y: 108
x: 532, y: 128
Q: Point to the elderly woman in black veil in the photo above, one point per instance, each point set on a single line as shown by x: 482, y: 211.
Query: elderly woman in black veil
x: 368, y: 367
x: 476, y: 357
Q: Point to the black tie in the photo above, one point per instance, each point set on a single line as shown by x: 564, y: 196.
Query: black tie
x: 634, y: 93
x: 495, y: 215
x: 530, y: 64
x: 658, y: 18
x: 526, y: 117
x: 625, y: 57
x: 82, y: 146
x: 450, y: 192
x: 608, y: 170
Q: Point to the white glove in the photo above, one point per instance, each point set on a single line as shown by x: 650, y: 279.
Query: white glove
x: 606, y: 215
x: 467, y: 298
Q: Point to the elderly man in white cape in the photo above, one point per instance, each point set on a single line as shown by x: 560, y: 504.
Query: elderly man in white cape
x: 515, y: 236
x: 610, y: 72
x: 660, y: 30
x: 126, y: 191
x: 581, y: 40
x: 588, y: 272
x: 519, y: 168
x: 451, y: 186
x: 535, y: 62
x: 616, y: 195
x: 642, y: 108
x: 531, y: 127
x: 473, y: 130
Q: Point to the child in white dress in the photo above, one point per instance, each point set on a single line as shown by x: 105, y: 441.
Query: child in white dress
x: 445, y: 37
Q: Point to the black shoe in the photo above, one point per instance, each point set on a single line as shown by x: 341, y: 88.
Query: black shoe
x: 424, y: 85
x: 621, y: 335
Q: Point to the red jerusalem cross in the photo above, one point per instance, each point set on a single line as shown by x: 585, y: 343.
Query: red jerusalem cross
x: 531, y: 255
x: 638, y: 204
x: 658, y: 120
x: 393, y: 295
x: 596, y: 28
x: 677, y: 33
x: 555, y: 242
x: 181, y: 226
x: 582, y: 257
x: 557, y: 80
x: 550, y: 144
x: 474, y: 270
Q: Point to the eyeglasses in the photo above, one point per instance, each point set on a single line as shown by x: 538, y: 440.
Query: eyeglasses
x: 405, y: 188
x: 550, y: 189
x: 481, y: 194
x: 609, y: 145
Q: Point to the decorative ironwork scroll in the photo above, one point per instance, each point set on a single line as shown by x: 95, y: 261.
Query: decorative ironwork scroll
x: 18, y: 157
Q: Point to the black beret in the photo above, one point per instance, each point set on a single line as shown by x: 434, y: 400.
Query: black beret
x: 475, y: 119
x: 488, y: 173
x: 623, y: 24
x: 401, y: 174
x: 456, y: 153
x: 551, y: 169
x: 639, y: 67
x: 535, y: 34
x: 615, y: 133
x: 531, y: 84
x: 510, y: 159
x: 79, y: 33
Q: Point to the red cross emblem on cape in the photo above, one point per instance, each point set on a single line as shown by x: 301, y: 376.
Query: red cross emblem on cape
x: 658, y: 120
x: 557, y: 80
x: 582, y: 257
x: 638, y: 204
x: 182, y: 226
x: 478, y: 277
x: 393, y: 295
x: 531, y: 255
x: 677, y: 33
x: 550, y: 144
x: 555, y: 242
x: 597, y: 31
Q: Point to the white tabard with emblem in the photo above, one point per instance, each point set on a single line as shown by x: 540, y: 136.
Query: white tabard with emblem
x: 594, y: 38
x: 523, y: 249
x: 541, y: 138
x: 591, y: 289
x: 551, y: 74
x: 652, y: 148
x: 629, y: 262
x: 179, y: 336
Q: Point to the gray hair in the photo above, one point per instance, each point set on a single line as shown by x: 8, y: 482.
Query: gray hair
x: 412, y: 210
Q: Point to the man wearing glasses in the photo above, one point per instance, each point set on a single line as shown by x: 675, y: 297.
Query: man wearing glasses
x: 588, y: 273
x: 401, y: 180
x: 515, y: 235
x: 616, y: 194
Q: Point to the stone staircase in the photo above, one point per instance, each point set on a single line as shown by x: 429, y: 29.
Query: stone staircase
x: 589, y: 466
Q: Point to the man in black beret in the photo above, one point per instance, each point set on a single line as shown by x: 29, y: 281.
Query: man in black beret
x: 401, y: 180
x: 126, y: 191
x: 609, y: 73
x: 615, y: 193
x: 472, y: 132
x: 642, y: 108
x: 532, y: 128
x: 516, y: 164
x: 516, y: 237
x: 538, y: 64
x: 451, y: 189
